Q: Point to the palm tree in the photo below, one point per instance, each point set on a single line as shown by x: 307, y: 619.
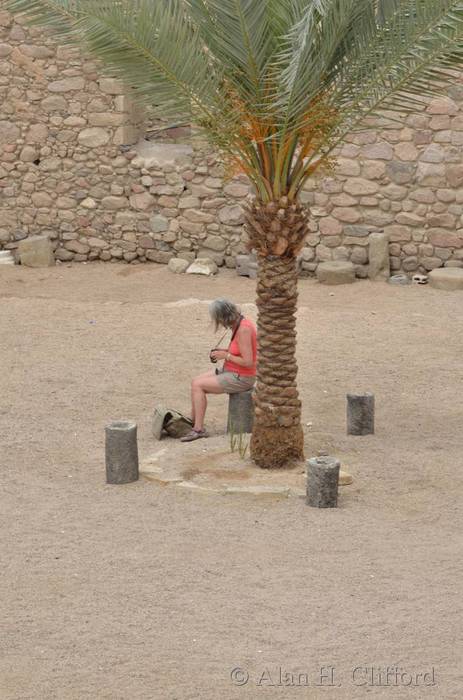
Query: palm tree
x: 276, y: 85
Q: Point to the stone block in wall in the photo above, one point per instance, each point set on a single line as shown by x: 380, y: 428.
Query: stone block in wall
x: 231, y: 215
x: 398, y: 233
x: 373, y: 169
x: 330, y: 226
x: 159, y: 256
x: 445, y: 239
x: 236, y: 190
x: 442, y: 105
x: 217, y: 257
x: 142, y: 201
x: 36, y: 251
x: 430, y: 262
x: 378, y: 151
x: 341, y: 253
x: 126, y: 135
x: 94, y: 137
x: 455, y: 175
x: 215, y: 243
x: 378, y: 256
x: 359, y: 255
x: 357, y: 231
x: 410, y: 264
x: 77, y: 247
x: 111, y: 86
x: 63, y: 255
x: 357, y: 186
x: 443, y: 220
x: 400, y: 173
x: 9, y: 132
x: 66, y: 85
x: 242, y: 265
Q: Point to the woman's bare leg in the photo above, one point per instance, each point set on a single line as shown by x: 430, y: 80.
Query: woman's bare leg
x: 200, y: 387
x: 211, y: 373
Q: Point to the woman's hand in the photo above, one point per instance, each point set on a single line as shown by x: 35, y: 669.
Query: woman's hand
x: 219, y: 354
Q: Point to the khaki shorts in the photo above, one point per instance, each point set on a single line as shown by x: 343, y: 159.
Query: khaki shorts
x: 233, y: 383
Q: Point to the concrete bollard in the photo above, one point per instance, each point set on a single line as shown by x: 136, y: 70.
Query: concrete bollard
x: 240, y: 412
x: 322, y: 482
x: 360, y: 414
x: 121, y: 452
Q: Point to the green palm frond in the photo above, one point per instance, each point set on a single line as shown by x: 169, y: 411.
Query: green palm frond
x: 413, y: 56
x: 275, y: 84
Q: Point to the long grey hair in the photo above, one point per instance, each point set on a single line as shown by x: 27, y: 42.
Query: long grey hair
x: 224, y: 313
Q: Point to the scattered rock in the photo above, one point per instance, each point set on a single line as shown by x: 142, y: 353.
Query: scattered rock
x: 203, y: 266
x: 36, y: 251
x: 345, y: 478
x: 401, y: 280
x: 178, y: 266
x: 6, y: 258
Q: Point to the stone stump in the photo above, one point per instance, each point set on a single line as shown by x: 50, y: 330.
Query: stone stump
x: 36, y: 251
x: 322, y: 482
x: 121, y: 452
x: 360, y: 414
x: 240, y: 412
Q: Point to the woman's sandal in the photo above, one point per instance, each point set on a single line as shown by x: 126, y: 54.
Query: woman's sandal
x: 194, y: 435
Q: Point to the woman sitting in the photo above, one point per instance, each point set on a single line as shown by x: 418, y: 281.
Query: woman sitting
x: 239, y: 369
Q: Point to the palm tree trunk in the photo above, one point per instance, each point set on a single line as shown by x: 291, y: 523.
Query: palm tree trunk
x: 277, y: 438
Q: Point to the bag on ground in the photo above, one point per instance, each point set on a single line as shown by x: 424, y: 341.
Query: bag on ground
x: 171, y: 422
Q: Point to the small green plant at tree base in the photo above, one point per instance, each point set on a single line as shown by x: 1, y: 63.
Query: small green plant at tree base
x: 238, y: 441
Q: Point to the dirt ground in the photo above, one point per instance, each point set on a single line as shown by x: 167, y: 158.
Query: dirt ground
x: 144, y: 592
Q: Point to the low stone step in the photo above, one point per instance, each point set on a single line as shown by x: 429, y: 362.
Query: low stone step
x: 448, y: 278
x: 336, y: 272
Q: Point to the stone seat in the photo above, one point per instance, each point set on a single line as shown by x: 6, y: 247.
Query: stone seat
x: 336, y: 272
x: 448, y: 278
x: 240, y: 412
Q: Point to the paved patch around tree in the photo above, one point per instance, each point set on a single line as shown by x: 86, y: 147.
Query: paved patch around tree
x: 210, y: 466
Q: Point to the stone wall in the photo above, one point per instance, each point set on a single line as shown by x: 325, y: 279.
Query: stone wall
x: 74, y: 165
x: 405, y: 179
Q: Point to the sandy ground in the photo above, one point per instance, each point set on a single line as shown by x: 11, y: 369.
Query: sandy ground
x: 147, y: 592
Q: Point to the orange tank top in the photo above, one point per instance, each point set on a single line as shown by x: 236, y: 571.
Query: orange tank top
x: 234, y: 349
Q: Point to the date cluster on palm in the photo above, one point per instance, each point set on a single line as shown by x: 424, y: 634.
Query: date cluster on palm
x: 277, y: 438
